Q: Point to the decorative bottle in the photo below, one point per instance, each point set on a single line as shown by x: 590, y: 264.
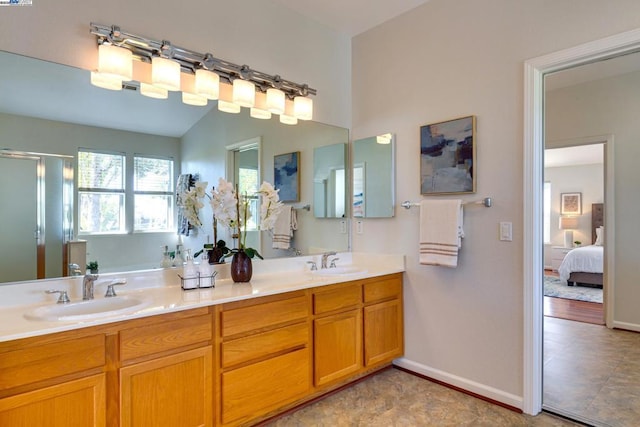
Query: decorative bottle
x: 189, y: 272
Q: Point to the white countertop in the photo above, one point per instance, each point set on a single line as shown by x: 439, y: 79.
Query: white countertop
x: 160, y: 289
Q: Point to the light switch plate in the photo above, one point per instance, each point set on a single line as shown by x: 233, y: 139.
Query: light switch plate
x: 506, y: 231
x: 359, y: 226
x: 343, y: 227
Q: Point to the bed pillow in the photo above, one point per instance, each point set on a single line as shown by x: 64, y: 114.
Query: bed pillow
x: 599, y: 236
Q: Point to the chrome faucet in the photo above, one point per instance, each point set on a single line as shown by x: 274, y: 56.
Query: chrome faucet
x: 325, y: 256
x: 74, y: 269
x: 87, y: 286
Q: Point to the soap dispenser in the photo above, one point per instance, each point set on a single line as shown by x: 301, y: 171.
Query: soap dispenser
x: 189, y: 272
x: 206, y: 272
x: 166, y: 259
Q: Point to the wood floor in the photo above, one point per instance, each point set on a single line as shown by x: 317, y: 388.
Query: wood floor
x: 579, y: 311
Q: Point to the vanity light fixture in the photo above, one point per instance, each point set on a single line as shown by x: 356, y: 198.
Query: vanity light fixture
x: 169, y: 65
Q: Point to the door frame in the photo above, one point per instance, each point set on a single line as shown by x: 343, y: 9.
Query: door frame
x: 533, y: 169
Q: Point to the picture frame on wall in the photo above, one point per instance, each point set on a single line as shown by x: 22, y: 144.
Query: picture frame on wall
x: 448, y: 157
x: 570, y: 203
x: 286, y: 176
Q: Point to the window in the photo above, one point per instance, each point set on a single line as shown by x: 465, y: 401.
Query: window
x: 153, y: 195
x: 547, y: 212
x: 248, y: 184
x: 101, y: 192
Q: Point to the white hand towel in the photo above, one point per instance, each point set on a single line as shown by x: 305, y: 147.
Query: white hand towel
x: 283, y: 228
x: 441, y: 232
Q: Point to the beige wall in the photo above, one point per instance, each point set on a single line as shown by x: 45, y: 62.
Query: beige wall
x: 447, y: 59
x: 610, y: 106
x: 259, y: 33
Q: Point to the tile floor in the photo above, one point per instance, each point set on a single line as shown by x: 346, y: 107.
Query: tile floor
x: 395, y: 398
x: 592, y: 372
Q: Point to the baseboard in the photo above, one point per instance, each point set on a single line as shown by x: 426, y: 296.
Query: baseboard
x: 626, y: 326
x: 462, y: 383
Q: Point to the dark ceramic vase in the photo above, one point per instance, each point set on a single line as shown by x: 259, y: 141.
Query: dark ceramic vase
x: 241, y: 269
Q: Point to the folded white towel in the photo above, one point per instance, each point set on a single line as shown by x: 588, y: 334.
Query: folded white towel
x: 283, y: 228
x: 440, y: 232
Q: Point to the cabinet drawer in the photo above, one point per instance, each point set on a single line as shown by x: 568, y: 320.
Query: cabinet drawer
x: 42, y: 362
x: 260, y: 345
x: 156, y: 338
x: 263, y: 316
x: 382, y: 289
x: 254, y: 390
x: 342, y: 296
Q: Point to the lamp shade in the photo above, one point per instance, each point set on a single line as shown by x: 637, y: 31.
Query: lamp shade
x: 288, y: 117
x: 152, y: 91
x: 228, y: 107
x: 193, y: 99
x: 116, y: 62
x: 165, y: 73
x: 568, y: 223
x: 275, y: 100
x: 384, y: 139
x: 244, y: 93
x: 106, y: 81
x: 303, y: 107
x: 207, y: 84
x: 260, y: 111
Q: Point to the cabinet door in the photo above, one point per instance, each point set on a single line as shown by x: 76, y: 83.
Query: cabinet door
x: 73, y: 403
x: 337, y: 346
x: 174, y: 390
x: 383, y: 332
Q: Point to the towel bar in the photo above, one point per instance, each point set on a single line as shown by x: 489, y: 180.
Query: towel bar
x: 306, y: 207
x: 486, y: 202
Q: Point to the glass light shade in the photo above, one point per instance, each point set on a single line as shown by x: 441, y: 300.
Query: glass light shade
x: 106, y: 81
x: 244, y: 93
x: 257, y: 113
x: 193, y: 99
x: 152, y: 91
x: 384, y: 139
x: 115, y: 61
x: 165, y: 73
x: 288, y: 120
x: 207, y: 84
x: 228, y: 107
x: 303, y: 107
x: 275, y: 101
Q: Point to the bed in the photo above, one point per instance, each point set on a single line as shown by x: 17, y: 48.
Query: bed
x: 584, y: 265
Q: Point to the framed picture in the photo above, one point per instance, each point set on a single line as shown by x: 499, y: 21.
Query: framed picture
x: 570, y: 203
x: 448, y: 157
x: 286, y: 176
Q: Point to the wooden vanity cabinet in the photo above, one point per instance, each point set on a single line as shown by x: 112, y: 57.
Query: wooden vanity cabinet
x: 56, y: 380
x: 265, y: 360
x: 383, y: 320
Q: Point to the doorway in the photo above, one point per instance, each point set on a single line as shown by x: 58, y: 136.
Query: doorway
x: 535, y: 71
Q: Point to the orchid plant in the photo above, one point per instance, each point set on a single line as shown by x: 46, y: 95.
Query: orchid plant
x: 192, y: 203
x: 232, y: 209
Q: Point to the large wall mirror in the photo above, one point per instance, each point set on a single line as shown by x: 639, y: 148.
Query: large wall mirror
x: 330, y: 181
x: 50, y: 108
x: 374, y: 177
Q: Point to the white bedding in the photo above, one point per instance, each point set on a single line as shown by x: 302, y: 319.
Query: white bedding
x: 587, y: 259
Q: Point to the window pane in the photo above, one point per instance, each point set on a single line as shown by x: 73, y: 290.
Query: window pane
x: 100, y: 171
x: 152, y: 174
x: 248, y: 181
x: 153, y: 212
x: 101, y: 212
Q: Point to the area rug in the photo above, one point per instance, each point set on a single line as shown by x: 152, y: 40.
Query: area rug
x: 554, y: 287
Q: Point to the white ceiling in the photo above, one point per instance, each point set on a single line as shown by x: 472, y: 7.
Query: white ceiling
x: 574, y: 156
x: 350, y: 17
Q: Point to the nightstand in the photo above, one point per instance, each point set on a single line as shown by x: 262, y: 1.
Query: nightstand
x: 557, y: 255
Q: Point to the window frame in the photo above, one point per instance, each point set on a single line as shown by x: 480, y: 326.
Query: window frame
x: 171, y: 222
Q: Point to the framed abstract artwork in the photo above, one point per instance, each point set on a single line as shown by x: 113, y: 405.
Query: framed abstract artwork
x: 448, y: 157
x: 570, y: 203
x: 286, y: 176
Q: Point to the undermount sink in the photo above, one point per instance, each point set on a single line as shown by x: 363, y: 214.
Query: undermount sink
x: 86, y: 310
x: 339, y: 271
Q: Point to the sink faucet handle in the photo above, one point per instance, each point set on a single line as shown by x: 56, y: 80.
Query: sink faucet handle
x: 333, y: 263
x: 63, y: 298
x: 111, y: 292
x: 314, y: 267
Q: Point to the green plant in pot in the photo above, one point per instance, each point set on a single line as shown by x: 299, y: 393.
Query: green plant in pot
x: 577, y: 243
x: 92, y: 267
x: 231, y: 209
